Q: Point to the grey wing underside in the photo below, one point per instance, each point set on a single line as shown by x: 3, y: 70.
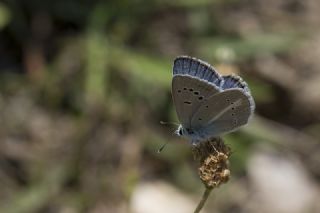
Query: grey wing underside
x: 189, y: 93
x: 233, y: 82
x: 222, y: 104
x: 186, y: 65
x: 222, y: 113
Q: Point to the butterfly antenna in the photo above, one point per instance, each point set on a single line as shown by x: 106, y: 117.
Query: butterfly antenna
x: 162, y: 147
x: 169, y: 123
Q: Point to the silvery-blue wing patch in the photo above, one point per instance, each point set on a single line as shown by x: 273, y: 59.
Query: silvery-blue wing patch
x: 208, y: 104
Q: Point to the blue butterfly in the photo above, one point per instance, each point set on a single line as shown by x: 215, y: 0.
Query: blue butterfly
x: 208, y: 104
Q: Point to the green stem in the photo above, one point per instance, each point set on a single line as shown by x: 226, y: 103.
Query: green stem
x: 203, y: 200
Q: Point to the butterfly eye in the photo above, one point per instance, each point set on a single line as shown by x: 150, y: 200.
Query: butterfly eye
x: 180, y: 131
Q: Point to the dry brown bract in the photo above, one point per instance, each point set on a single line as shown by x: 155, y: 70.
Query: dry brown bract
x: 213, y: 156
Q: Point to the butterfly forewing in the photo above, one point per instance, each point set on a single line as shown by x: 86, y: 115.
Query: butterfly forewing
x: 185, y: 65
x: 188, y: 94
x: 222, y: 112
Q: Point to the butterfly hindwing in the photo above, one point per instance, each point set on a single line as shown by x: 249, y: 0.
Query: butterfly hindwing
x: 188, y: 95
x: 222, y: 112
x: 233, y: 82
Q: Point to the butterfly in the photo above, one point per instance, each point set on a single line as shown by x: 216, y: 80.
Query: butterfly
x: 207, y: 104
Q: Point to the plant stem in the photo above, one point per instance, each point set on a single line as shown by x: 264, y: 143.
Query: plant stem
x: 203, y: 199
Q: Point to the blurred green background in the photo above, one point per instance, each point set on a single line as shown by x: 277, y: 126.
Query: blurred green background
x: 84, y: 84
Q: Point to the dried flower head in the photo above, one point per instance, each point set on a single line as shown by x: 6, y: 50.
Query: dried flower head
x: 213, y: 156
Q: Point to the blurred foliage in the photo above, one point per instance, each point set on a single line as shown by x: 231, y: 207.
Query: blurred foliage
x: 84, y: 84
x: 4, y: 16
x: 250, y: 46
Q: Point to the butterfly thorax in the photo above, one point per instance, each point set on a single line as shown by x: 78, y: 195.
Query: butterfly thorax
x: 194, y: 136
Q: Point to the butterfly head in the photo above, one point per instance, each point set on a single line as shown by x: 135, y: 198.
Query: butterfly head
x: 180, y: 130
x: 186, y: 132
